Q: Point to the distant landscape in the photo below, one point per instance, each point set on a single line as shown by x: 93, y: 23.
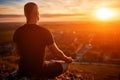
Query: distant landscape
x: 102, y: 60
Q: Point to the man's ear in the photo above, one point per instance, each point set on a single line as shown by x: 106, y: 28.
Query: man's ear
x: 38, y: 16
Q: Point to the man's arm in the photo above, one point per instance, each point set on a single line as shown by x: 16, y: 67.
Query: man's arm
x: 57, y: 52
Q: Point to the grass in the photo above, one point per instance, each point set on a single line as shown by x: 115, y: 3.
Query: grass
x: 100, y: 72
x: 6, y: 36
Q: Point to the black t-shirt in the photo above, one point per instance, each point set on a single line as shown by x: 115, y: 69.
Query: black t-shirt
x: 31, y: 41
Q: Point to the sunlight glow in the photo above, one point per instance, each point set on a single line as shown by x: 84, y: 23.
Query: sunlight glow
x: 104, y: 13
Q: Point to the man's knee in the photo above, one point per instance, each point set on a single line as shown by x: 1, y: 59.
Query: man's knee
x: 55, y: 68
x: 65, y: 66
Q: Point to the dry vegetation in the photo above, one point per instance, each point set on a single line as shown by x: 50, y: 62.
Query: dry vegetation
x: 100, y: 72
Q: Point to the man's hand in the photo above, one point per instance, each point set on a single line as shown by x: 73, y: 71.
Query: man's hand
x: 68, y: 60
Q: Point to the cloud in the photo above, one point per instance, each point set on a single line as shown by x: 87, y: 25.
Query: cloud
x: 9, y: 1
x: 8, y: 9
x: 10, y: 16
x: 42, y: 15
x: 56, y: 6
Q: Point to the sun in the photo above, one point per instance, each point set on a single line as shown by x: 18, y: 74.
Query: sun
x: 104, y: 13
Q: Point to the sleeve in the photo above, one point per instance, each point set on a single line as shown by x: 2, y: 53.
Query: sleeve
x: 49, y: 38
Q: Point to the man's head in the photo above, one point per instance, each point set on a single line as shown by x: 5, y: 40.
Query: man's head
x: 31, y: 11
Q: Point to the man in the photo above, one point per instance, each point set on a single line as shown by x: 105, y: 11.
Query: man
x: 31, y: 41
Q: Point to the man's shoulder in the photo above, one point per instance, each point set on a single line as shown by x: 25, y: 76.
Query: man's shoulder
x: 42, y: 28
x: 20, y: 27
x: 33, y: 27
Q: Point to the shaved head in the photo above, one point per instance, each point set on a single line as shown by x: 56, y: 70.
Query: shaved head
x: 31, y: 11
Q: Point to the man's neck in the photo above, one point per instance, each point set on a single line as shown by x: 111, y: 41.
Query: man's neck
x: 32, y: 22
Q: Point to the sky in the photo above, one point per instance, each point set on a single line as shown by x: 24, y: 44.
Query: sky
x: 10, y: 9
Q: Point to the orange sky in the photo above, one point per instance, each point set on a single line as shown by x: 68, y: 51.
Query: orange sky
x: 10, y: 9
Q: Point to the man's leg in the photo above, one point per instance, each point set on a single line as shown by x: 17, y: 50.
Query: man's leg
x: 55, y: 68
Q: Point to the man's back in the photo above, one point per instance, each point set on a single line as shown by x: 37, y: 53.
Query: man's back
x: 31, y: 41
